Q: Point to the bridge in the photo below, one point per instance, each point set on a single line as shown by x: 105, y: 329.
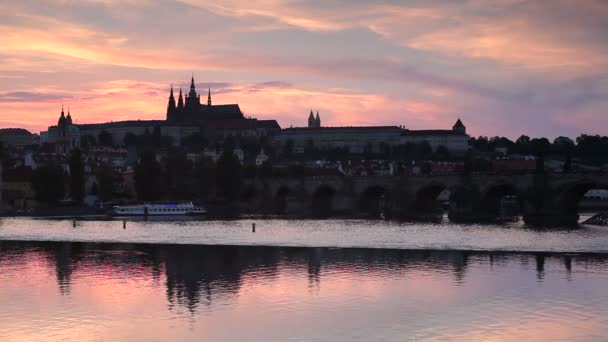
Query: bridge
x: 547, y: 198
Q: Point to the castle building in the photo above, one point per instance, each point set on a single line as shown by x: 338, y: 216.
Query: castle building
x: 455, y: 140
x: 188, y: 109
x: 364, y: 139
x: 185, y: 117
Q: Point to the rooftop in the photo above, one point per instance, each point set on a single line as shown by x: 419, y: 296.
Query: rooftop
x: 429, y: 132
x: 344, y: 128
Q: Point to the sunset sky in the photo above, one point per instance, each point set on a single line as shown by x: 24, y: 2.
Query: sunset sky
x: 505, y: 67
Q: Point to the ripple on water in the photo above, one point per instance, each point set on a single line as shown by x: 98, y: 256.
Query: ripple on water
x: 315, y: 233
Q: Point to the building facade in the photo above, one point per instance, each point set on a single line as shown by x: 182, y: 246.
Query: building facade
x: 17, y: 137
x: 356, y: 140
x: 455, y: 140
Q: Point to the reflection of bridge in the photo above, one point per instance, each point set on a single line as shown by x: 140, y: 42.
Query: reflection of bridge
x: 541, y: 198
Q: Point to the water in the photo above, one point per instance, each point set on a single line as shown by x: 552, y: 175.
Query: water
x: 218, y: 281
x: 314, y: 233
x: 143, y: 292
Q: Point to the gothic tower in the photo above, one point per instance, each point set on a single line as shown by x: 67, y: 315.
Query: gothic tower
x: 171, y: 106
x: 209, y: 97
x: 193, y: 100
x: 180, y: 100
x: 318, y: 121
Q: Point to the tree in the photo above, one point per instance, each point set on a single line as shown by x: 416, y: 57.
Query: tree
x: 568, y: 164
x: 523, y: 140
x: 178, y: 175
x: 107, y: 181
x: 148, y: 177
x: 105, y: 139
x: 49, y: 183
x: 195, y: 141
x: 130, y: 139
x: 76, y: 165
x: 265, y: 170
x: 228, y: 175
x: 442, y: 153
x: 287, y: 151
x: 205, y: 175
x: 540, y: 163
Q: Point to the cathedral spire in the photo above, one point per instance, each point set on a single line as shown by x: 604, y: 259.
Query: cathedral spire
x: 209, y: 96
x: 192, y: 88
x: 171, y: 105
x: 180, y: 99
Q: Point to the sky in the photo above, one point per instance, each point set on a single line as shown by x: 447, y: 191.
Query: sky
x: 505, y: 67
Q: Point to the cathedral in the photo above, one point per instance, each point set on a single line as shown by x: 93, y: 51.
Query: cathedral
x: 188, y: 109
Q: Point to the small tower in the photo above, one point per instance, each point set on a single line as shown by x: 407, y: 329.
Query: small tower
x: 459, y: 127
x: 318, y: 121
x: 209, y: 96
x: 68, y: 119
x: 61, y: 121
x: 311, y: 120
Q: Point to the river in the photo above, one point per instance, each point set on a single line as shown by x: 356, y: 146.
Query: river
x: 317, y: 280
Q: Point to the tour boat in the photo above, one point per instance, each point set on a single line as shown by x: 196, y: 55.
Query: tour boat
x: 158, y: 209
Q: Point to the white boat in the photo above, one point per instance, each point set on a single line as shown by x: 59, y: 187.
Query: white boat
x: 158, y: 209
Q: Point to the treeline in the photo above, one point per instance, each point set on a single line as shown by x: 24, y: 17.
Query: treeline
x: 591, y: 148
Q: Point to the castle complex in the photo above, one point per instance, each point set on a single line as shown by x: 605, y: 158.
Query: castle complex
x: 187, y: 116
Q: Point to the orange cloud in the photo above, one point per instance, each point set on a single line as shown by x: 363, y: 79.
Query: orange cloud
x: 510, y: 41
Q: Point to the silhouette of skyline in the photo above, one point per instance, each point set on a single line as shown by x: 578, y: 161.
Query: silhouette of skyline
x: 506, y: 68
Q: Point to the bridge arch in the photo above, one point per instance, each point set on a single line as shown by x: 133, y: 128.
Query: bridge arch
x: 322, y: 200
x: 426, y: 197
x: 281, y: 198
x: 372, y: 200
x: 570, y: 195
x: 249, y: 193
x: 501, y: 199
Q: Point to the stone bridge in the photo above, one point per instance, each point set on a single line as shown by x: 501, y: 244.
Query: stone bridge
x: 549, y: 198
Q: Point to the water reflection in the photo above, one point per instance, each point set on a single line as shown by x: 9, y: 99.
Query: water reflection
x: 196, y: 275
x: 257, y: 283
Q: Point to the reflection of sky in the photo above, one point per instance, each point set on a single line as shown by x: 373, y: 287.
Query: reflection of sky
x: 121, y: 292
x: 416, y: 63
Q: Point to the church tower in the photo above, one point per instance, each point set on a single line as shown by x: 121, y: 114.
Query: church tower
x: 311, y: 120
x: 61, y: 121
x: 209, y: 97
x: 318, y: 121
x: 68, y: 119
